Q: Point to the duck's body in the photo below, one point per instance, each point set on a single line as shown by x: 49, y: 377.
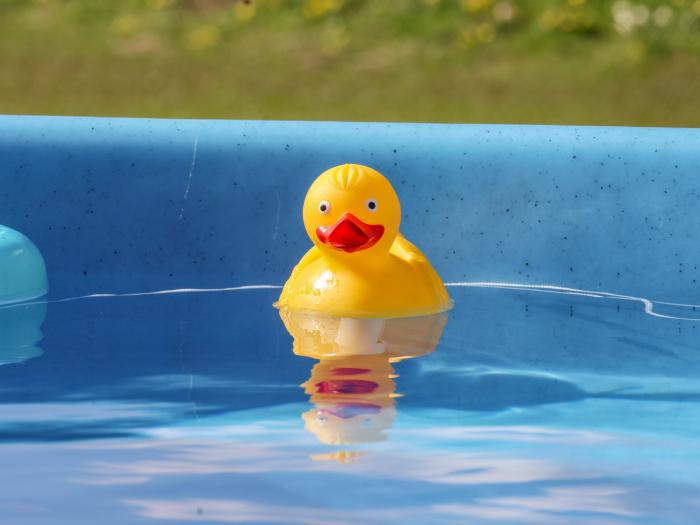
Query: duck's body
x: 360, y: 266
x: 402, y: 284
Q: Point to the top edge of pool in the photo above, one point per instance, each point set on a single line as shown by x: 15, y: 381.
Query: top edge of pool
x: 165, y: 121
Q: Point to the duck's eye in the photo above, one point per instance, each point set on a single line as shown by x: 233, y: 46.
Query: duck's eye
x: 324, y: 207
x: 371, y: 205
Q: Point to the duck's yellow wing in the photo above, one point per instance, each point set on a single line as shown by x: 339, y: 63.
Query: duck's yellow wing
x: 310, y: 256
x: 408, y: 252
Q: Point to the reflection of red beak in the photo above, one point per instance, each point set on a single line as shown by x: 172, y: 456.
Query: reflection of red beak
x: 350, y: 234
x: 346, y: 386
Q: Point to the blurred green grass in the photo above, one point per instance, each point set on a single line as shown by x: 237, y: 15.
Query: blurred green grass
x: 530, y: 61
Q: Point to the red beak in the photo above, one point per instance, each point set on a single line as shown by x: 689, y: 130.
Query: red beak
x: 350, y: 234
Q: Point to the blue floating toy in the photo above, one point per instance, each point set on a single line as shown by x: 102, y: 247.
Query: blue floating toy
x: 22, y: 268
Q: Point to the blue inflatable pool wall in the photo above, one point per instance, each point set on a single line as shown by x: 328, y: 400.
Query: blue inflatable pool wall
x: 122, y: 205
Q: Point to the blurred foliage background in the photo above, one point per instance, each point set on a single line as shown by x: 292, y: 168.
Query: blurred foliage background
x: 634, y: 62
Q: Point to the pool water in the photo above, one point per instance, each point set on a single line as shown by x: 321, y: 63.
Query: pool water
x: 537, y: 406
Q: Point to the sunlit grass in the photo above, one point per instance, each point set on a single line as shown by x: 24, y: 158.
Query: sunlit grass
x: 573, y: 61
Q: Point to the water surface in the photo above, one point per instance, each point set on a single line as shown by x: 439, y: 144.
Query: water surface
x: 192, y: 408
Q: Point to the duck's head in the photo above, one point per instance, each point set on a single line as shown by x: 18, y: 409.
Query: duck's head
x: 351, y: 210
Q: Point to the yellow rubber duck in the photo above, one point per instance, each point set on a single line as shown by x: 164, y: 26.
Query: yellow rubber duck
x: 360, y: 265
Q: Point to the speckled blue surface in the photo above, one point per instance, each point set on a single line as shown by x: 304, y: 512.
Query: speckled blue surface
x: 576, y: 405
x: 132, y: 202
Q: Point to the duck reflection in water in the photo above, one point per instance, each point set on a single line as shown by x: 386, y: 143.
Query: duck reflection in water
x: 353, y: 398
x: 352, y: 386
